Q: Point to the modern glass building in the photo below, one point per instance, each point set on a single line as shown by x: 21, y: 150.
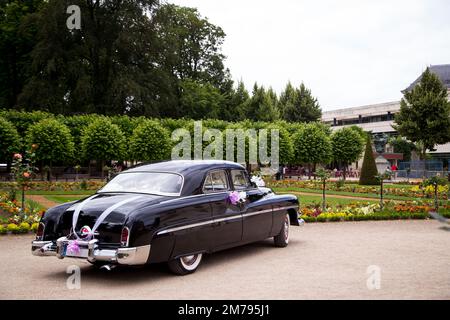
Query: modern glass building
x: 378, y: 118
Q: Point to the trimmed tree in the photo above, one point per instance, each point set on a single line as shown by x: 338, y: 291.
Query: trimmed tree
x: 150, y: 142
x: 9, y: 141
x: 424, y: 116
x: 103, y: 141
x: 312, y: 145
x: 286, y: 149
x: 369, y: 169
x: 54, y: 142
x: 347, y: 145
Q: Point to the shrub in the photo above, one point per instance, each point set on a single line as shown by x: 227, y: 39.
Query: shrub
x: 369, y: 168
x: 102, y: 141
x: 3, y: 230
x: 347, y: 145
x: 53, y: 139
x: 13, y: 228
x: 83, y: 185
x: 34, y: 227
x: 150, y: 142
x: 311, y: 145
x: 9, y: 140
x: 24, y: 227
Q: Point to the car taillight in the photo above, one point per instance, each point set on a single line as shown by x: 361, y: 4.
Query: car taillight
x: 125, y: 237
x: 40, y: 231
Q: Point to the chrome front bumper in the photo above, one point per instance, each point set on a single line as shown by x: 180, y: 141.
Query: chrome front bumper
x: 126, y: 256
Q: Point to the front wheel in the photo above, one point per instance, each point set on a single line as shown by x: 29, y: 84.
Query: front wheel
x: 282, y: 239
x: 185, y: 265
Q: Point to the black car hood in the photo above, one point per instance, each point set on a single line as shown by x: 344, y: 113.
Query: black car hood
x: 90, y: 209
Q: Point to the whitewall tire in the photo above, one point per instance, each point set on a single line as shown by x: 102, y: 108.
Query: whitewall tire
x: 186, y: 264
x: 282, y: 239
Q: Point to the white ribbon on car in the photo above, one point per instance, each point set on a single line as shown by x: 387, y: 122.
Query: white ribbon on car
x: 100, y: 219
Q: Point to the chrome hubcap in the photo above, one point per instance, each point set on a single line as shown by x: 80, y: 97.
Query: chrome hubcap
x: 189, y: 260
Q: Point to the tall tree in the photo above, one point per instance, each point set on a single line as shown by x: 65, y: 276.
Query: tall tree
x: 236, y: 104
x: 108, y: 66
x: 17, y: 39
x: 192, y: 45
x: 263, y: 105
x: 200, y: 101
x: 298, y: 105
x: 424, y: 116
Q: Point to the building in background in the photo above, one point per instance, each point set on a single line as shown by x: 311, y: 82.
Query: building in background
x: 378, y: 119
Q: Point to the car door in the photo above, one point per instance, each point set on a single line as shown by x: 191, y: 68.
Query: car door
x: 256, y: 213
x: 227, y: 226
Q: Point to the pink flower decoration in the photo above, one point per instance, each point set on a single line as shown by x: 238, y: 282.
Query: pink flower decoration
x: 73, y: 247
x: 17, y: 156
x: 234, y: 197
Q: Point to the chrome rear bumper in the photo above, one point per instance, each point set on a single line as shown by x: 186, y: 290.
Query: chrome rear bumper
x: 92, y: 252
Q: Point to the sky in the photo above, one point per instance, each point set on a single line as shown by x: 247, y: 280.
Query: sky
x: 348, y: 52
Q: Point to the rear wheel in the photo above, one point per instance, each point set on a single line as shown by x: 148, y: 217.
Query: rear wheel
x: 282, y: 239
x: 185, y: 265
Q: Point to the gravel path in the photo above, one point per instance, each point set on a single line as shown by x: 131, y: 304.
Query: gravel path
x: 328, y: 260
x: 42, y: 200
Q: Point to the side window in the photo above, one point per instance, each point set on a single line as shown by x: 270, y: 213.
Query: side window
x: 208, y: 187
x: 240, y: 179
x: 216, y: 181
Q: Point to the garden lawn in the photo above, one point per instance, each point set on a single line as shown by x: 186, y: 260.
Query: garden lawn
x: 64, y: 198
x: 306, y: 200
x: 343, y: 193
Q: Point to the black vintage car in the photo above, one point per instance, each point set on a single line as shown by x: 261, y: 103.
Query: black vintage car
x: 172, y: 211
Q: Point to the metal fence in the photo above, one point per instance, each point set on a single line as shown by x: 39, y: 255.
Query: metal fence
x: 421, y: 169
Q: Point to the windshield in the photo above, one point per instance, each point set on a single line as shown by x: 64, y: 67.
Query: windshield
x: 146, y: 182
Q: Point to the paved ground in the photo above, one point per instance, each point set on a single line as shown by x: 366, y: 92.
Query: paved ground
x: 327, y: 261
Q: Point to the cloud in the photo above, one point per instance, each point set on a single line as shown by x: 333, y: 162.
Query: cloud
x: 350, y: 52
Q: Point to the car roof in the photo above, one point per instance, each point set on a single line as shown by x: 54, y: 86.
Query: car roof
x: 186, y: 166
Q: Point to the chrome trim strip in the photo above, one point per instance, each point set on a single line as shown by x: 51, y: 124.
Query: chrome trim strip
x: 195, y: 196
x: 256, y: 212
x: 285, y: 208
x: 188, y: 226
x: 199, y: 224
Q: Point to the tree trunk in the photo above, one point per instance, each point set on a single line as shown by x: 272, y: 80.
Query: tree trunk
x: 381, y: 194
x: 436, y: 204
x: 103, y: 171
x: 324, y: 205
x: 22, y: 209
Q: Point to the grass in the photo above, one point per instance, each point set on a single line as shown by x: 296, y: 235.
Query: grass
x: 331, y: 201
x: 59, y: 192
x: 62, y: 198
x: 343, y: 193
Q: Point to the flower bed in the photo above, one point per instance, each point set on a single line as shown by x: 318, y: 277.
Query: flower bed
x: 361, y: 211
x: 15, y: 222
x: 57, y: 186
x: 416, y: 191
